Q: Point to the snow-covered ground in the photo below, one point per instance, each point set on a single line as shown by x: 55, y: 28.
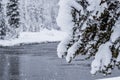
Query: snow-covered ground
x: 114, y: 78
x: 35, y: 37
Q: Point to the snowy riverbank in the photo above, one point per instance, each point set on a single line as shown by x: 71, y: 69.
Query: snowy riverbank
x: 35, y: 37
x: 114, y: 78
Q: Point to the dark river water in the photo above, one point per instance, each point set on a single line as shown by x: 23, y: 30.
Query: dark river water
x: 40, y: 62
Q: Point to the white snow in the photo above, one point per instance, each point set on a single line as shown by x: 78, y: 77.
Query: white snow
x: 64, y: 19
x: 35, y: 37
x: 102, y: 58
x: 116, y: 32
x: 94, y: 7
x: 62, y: 47
x: 114, y: 78
x: 71, y: 51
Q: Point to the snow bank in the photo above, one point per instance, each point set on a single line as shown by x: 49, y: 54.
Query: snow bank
x: 35, y: 37
x: 114, y: 78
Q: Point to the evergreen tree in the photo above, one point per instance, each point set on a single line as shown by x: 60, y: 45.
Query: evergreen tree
x: 94, y: 31
x: 13, y: 16
x: 2, y: 22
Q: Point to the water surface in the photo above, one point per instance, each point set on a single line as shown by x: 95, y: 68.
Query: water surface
x: 40, y: 62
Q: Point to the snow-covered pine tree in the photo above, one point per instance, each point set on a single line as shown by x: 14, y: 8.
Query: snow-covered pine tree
x: 13, y: 17
x: 93, y: 28
x: 2, y: 22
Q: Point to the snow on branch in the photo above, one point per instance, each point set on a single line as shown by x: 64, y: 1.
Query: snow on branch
x: 93, y: 28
